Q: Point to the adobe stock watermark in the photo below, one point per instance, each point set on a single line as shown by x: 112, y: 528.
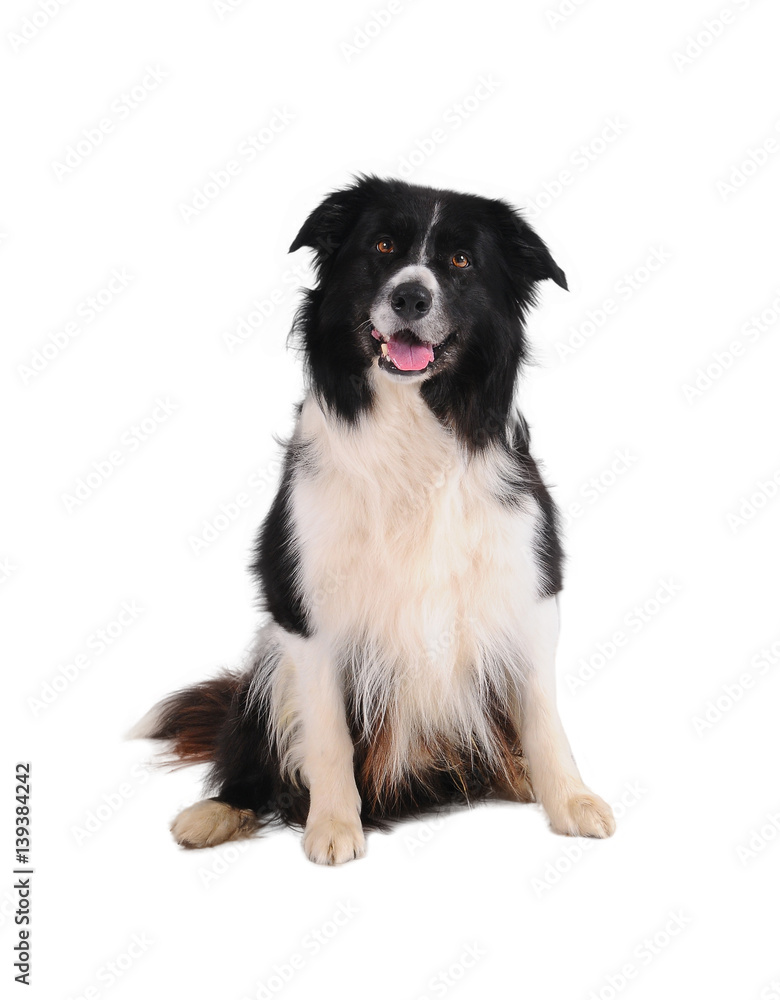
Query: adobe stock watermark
x: 244, y: 327
x: 34, y: 22
x: 439, y: 651
x: 711, y: 29
x: 763, y: 492
x: 753, y: 160
x: 591, y: 491
x: 221, y: 861
x: 117, y: 967
x: 644, y: 954
x: 625, y: 288
x: 312, y: 944
x: 446, y: 979
x: 634, y: 622
x: 437, y: 476
x: 759, y: 838
x: 95, y: 645
x: 129, y: 443
x: 89, y: 309
x: 223, y: 8
x: 363, y: 34
x: 111, y: 802
x: 441, y: 647
x: 562, y: 12
x: 452, y: 120
x: 771, y: 991
x: 579, y: 161
x: 7, y: 570
x: 228, y: 512
x: 750, y: 333
x: 576, y: 848
x: 731, y: 693
x: 247, y: 151
x: 120, y: 109
x: 422, y: 834
x: 331, y: 584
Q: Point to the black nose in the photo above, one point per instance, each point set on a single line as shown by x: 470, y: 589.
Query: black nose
x: 411, y: 300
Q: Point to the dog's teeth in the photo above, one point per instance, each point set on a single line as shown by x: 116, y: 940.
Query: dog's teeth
x: 384, y: 350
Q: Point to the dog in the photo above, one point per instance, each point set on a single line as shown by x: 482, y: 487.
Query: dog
x: 410, y: 562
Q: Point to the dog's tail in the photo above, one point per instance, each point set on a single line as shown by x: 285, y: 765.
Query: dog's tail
x: 221, y: 723
x: 190, y: 720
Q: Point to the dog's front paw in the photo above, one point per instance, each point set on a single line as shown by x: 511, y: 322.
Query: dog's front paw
x: 328, y: 840
x: 583, y: 815
x: 209, y: 823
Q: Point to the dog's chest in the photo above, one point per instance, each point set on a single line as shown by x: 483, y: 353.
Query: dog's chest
x: 403, y: 542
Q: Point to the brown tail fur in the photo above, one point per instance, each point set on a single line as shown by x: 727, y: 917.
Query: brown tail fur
x: 190, y: 719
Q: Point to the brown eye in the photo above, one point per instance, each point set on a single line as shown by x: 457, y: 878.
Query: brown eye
x: 460, y: 260
x: 385, y: 246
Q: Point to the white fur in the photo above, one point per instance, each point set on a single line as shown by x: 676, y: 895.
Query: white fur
x: 429, y: 575
x: 428, y: 585
x: 208, y: 823
x: 431, y: 328
x: 573, y: 809
x: 147, y: 725
x: 425, y: 245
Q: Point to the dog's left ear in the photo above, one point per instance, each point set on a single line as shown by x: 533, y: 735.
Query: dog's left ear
x: 534, y: 251
x: 329, y: 224
x: 535, y: 259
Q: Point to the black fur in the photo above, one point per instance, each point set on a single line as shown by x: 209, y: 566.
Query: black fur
x: 219, y: 722
x: 529, y: 480
x: 472, y: 392
x: 276, y: 556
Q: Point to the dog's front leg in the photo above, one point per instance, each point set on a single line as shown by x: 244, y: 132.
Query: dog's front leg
x: 334, y: 833
x: 573, y: 809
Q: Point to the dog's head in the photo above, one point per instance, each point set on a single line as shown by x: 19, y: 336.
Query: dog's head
x: 421, y: 285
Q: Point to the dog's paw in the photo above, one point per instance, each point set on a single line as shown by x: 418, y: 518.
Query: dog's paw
x: 584, y: 815
x: 331, y: 841
x: 209, y: 823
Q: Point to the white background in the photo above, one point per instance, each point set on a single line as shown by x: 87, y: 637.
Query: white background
x: 689, y: 765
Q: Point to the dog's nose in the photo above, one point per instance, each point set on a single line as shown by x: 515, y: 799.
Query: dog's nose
x: 411, y: 300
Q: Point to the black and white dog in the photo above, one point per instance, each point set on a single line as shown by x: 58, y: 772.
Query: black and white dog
x: 410, y: 561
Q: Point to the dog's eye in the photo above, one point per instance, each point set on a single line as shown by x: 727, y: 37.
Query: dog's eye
x: 460, y: 259
x: 385, y: 246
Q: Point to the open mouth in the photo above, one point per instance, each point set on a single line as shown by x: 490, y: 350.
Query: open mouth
x: 405, y: 353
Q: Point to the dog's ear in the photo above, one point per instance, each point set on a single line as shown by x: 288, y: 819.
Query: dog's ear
x: 540, y: 262
x: 531, y: 253
x: 330, y: 223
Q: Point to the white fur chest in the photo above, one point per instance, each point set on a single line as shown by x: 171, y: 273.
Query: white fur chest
x: 414, y: 570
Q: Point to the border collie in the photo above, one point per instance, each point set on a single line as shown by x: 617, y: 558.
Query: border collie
x: 410, y: 561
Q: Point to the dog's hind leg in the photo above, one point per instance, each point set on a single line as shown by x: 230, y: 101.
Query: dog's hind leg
x: 244, y: 774
x: 573, y: 809
x: 324, y: 754
x: 193, y: 723
x: 211, y: 822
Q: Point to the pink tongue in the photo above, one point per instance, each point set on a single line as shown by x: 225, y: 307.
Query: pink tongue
x: 409, y: 357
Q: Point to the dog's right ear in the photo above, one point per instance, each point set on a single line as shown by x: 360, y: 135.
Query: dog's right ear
x: 330, y: 223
